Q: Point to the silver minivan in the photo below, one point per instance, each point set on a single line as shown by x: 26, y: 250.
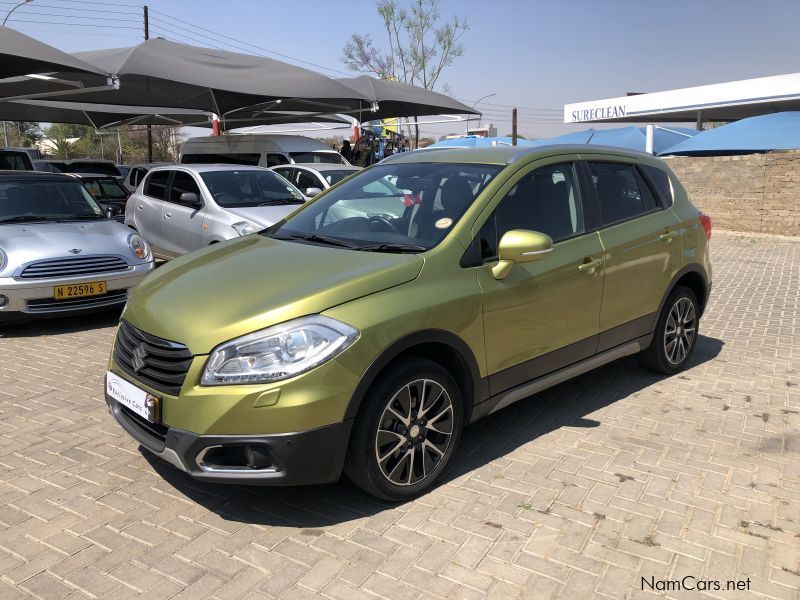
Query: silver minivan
x: 181, y: 208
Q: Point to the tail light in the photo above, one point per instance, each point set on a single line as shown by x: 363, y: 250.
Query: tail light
x: 705, y: 221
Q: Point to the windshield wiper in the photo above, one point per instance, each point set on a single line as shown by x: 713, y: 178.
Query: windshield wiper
x: 25, y: 218
x: 393, y: 248
x: 280, y: 201
x: 322, y: 239
x: 80, y: 218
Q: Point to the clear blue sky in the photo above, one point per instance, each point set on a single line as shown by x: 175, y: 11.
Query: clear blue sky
x: 532, y: 53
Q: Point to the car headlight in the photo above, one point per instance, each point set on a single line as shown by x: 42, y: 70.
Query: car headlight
x: 139, y: 247
x: 246, y: 227
x: 3, y: 259
x: 278, y: 352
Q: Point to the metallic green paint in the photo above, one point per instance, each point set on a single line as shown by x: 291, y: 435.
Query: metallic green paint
x: 237, y: 287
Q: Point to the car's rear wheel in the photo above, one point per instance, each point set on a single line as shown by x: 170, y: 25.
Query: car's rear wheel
x: 407, y: 432
x: 676, y: 333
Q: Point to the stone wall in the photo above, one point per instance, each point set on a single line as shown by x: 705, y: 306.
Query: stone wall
x: 753, y: 192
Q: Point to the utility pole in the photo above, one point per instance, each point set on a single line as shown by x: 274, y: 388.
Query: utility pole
x: 149, y: 128
x: 514, y: 127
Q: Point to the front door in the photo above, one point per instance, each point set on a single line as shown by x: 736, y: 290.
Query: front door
x: 183, y: 224
x: 544, y: 315
x: 643, y: 251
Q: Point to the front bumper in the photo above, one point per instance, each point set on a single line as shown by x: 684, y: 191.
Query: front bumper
x: 31, y: 297
x: 309, y: 457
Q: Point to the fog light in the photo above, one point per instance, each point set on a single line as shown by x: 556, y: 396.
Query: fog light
x: 3, y: 300
x: 257, y: 457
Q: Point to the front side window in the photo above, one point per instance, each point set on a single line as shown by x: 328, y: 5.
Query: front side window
x: 335, y: 176
x: 156, y: 186
x: 249, y: 187
x: 22, y: 201
x: 546, y: 200
x: 621, y: 191
x: 306, y: 180
x: 392, y: 207
x: 273, y: 160
x: 182, y: 183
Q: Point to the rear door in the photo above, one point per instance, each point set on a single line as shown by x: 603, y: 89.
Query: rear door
x: 642, y: 249
x: 148, y: 208
x: 182, y: 223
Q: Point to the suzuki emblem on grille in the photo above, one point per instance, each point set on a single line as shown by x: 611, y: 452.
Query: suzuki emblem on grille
x: 75, y: 251
x: 138, y: 358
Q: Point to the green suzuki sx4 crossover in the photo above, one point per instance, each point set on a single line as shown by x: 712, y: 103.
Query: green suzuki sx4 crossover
x: 366, y: 329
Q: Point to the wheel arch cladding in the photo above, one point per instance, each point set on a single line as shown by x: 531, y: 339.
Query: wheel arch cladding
x: 442, y: 347
x: 695, y: 280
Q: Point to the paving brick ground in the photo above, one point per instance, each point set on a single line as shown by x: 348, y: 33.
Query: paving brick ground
x: 578, y: 493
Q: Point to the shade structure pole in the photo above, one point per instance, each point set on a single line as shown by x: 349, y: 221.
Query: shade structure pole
x: 149, y: 128
x: 649, y: 134
x: 514, y: 127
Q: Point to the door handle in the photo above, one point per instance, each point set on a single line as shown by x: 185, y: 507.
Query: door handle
x: 668, y: 235
x: 140, y: 207
x: 589, y: 267
x: 168, y: 215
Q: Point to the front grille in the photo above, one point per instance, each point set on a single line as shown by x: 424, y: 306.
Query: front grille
x: 153, y: 430
x: 71, y: 267
x: 161, y: 364
x: 50, y: 305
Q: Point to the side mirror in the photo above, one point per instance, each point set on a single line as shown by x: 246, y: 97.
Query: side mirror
x: 190, y: 199
x: 521, y: 246
x: 112, y: 211
x: 313, y: 191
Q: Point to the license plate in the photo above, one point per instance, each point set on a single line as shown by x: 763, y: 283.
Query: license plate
x: 79, y: 290
x: 142, y: 403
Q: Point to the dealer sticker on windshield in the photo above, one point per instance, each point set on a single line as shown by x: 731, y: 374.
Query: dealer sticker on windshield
x: 142, y: 403
x: 443, y: 223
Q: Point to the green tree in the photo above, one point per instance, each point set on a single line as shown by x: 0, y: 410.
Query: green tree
x: 420, y: 45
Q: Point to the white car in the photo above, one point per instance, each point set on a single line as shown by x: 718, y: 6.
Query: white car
x: 313, y: 178
x: 181, y: 208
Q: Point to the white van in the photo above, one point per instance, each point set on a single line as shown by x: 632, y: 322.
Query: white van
x: 263, y: 150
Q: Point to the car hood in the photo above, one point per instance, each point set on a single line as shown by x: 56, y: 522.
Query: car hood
x: 28, y: 242
x: 264, y: 215
x: 243, y: 285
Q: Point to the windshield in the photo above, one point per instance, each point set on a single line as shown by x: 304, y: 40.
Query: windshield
x: 392, y: 207
x: 105, y: 189
x: 22, y: 201
x: 331, y: 158
x: 250, y: 187
x: 335, y: 176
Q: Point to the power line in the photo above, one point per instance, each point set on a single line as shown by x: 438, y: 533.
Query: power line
x: 105, y: 35
x: 72, y: 24
x: 100, y: 10
x: 105, y: 3
x: 214, y: 33
x: 41, y: 14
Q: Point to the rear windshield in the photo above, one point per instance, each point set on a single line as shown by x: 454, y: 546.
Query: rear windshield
x: 105, y: 189
x: 15, y: 161
x: 224, y: 159
x: 330, y: 158
x: 31, y: 201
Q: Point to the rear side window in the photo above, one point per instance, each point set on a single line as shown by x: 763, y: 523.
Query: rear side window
x: 660, y: 182
x: 182, y: 183
x: 621, y: 191
x: 331, y: 158
x: 156, y: 186
x: 15, y: 161
x: 273, y: 160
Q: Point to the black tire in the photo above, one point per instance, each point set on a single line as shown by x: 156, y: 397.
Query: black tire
x: 668, y: 352
x: 362, y: 465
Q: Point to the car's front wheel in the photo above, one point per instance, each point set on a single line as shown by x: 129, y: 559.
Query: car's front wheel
x: 676, y: 333
x: 407, y: 432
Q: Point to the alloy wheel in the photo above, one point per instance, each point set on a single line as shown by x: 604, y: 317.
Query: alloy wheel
x: 680, y: 330
x: 414, y: 432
